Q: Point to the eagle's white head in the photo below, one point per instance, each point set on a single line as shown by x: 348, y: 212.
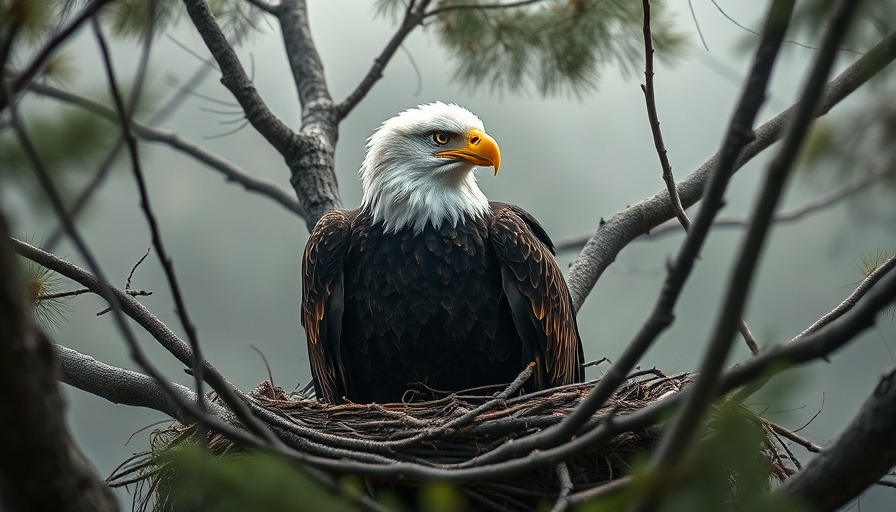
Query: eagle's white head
x: 419, y: 167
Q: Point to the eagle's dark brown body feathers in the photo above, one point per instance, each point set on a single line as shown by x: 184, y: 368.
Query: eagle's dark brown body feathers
x: 453, y: 307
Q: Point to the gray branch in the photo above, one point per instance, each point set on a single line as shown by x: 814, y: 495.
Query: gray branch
x: 612, y: 236
x: 126, y: 387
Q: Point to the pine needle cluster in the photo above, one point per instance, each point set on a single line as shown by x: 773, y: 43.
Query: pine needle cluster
x: 552, y: 47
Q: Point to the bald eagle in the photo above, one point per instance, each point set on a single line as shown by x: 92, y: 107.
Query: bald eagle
x: 429, y: 282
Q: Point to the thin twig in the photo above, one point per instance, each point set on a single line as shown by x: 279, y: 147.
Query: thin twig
x: 793, y: 436
x: 653, y: 116
x: 613, y: 235
x: 167, y: 108
x: 149, y: 322
x: 229, y: 170
x: 853, y: 298
x: 40, y: 57
x: 601, y: 490
x: 125, y: 121
x: 234, y: 77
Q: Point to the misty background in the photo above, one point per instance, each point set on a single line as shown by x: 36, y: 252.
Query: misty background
x: 568, y: 160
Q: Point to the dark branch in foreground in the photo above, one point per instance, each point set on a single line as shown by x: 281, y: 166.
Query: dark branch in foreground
x: 660, y: 318
x: 683, y: 429
x: 864, y: 452
x: 41, y: 467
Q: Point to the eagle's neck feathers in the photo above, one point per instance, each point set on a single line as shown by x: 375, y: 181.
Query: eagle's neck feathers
x: 410, y: 199
x: 406, y: 186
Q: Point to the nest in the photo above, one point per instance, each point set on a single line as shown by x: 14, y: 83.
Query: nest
x: 446, y: 430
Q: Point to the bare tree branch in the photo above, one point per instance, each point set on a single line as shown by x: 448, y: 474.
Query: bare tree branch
x: 613, y: 235
x: 668, y: 177
x: 304, y: 61
x: 653, y: 116
x: 124, y: 121
x: 215, y: 162
x: 121, y: 386
x: 234, y: 77
x: 853, y: 298
x: 780, y: 217
x: 165, y: 110
x: 412, y: 18
x: 683, y: 430
x: 149, y: 322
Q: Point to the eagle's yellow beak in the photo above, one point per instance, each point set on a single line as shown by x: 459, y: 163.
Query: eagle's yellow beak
x: 481, y: 149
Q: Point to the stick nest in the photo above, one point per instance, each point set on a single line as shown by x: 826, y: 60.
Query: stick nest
x: 449, y: 429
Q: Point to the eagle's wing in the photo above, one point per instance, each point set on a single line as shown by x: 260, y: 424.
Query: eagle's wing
x: 539, y: 299
x: 323, y: 302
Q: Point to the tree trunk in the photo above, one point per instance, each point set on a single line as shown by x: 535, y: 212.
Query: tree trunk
x: 41, y: 468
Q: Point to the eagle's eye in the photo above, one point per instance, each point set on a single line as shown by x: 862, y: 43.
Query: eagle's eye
x: 440, y: 138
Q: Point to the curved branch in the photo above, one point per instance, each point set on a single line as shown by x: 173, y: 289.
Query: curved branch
x: 155, y: 327
x: 853, y: 298
x: 613, y: 235
x: 121, y: 386
x: 794, y: 214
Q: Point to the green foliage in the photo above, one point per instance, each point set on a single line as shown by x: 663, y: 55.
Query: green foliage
x: 243, y: 482
x: 131, y: 18
x: 31, y: 19
x: 728, y: 470
x: 552, y: 46
x: 194, y: 479
x: 442, y: 497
